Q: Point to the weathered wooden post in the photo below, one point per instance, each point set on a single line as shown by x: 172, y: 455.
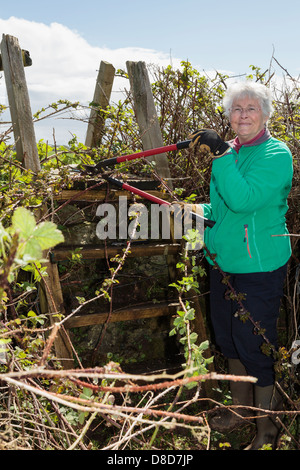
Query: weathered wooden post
x: 19, y: 103
x: 20, y: 109
x: 52, y: 301
x: 101, y: 99
x: 147, y: 120
x: 146, y: 116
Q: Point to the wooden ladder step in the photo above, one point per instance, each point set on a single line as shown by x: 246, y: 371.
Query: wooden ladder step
x: 125, y: 314
x: 101, y: 252
x: 92, y: 195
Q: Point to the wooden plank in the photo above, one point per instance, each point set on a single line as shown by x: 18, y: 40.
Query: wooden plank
x: 19, y: 103
x: 101, y: 99
x: 136, y: 250
x: 100, y: 196
x: 146, y: 116
x: 128, y: 314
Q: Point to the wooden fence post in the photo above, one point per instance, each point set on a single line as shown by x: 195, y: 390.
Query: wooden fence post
x: 52, y: 301
x: 101, y: 99
x: 146, y: 115
x: 20, y: 109
x: 19, y: 103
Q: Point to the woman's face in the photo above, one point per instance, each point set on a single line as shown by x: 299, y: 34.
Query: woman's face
x: 247, y: 118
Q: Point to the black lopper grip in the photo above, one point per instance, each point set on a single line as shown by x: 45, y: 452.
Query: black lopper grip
x: 183, y: 145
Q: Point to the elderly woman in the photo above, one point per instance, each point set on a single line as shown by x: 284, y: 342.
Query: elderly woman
x: 250, y: 182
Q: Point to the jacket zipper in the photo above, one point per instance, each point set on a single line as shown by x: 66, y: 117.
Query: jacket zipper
x: 246, y: 239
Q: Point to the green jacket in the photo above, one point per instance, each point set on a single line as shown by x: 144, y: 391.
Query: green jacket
x: 248, y: 202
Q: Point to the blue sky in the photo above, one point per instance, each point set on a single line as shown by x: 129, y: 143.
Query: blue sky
x: 68, y: 38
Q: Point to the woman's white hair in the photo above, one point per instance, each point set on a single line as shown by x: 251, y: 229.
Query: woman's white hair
x: 252, y: 90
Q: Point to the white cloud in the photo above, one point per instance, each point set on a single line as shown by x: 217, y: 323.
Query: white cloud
x: 65, y: 67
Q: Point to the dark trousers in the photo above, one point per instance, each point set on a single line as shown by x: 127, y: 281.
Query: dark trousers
x: 236, y: 339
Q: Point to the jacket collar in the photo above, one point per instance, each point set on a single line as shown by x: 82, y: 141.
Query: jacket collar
x: 262, y: 137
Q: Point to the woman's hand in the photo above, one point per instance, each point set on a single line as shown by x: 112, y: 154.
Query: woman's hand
x: 209, y: 140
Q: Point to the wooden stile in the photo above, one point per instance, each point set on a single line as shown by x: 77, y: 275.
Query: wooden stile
x: 51, y: 295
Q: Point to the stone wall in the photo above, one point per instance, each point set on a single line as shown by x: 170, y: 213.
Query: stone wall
x: 143, y: 343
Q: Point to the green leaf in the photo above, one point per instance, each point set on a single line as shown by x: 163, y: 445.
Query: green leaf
x: 34, y: 238
x: 81, y: 417
x: 193, y: 337
x: 203, y: 346
x: 24, y: 222
x: 47, y: 235
x: 3, y: 232
x: 86, y: 393
x: 5, y: 340
x: 32, y: 251
x: 31, y: 313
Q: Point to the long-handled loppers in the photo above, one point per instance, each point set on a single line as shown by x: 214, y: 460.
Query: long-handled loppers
x: 109, y: 162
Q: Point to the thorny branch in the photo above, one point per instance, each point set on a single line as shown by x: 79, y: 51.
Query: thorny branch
x: 37, y: 402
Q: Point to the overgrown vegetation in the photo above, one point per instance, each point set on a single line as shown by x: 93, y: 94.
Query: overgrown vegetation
x: 45, y: 407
